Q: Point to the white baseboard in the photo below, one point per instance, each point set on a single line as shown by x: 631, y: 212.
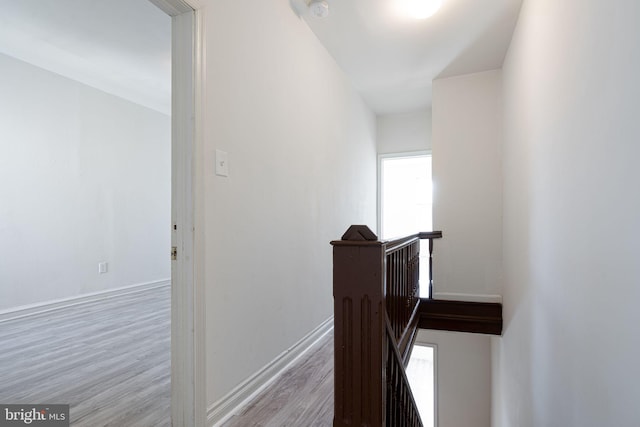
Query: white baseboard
x: 233, y: 402
x: 48, y: 306
x: 452, y: 296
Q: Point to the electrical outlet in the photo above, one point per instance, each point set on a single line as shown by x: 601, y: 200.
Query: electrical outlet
x: 222, y: 163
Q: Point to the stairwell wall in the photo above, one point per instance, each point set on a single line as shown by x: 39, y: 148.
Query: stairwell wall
x: 467, y: 186
x: 404, y: 132
x: 570, y: 350
x: 467, y: 207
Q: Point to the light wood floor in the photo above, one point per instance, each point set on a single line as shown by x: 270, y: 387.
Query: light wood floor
x: 302, y: 396
x: 109, y: 360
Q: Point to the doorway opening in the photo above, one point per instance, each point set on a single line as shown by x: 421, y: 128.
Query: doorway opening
x: 95, y: 226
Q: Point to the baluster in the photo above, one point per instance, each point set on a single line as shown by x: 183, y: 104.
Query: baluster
x: 430, y: 268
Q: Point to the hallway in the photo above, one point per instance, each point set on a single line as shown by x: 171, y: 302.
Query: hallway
x: 301, y: 396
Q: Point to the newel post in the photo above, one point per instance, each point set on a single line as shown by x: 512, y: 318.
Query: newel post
x: 359, y: 328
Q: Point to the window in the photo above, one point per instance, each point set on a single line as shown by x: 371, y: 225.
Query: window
x: 422, y: 379
x: 404, y: 199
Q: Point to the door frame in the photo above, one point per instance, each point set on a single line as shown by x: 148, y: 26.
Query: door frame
x: 188, y: 375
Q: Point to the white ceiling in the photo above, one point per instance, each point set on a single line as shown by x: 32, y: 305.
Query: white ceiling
x: 392, y: 60
x: 122, y: 47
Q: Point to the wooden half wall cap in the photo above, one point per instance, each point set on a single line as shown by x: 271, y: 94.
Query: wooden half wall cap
x: 359, y: 233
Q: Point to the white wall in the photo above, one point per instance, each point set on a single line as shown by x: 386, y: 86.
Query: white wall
x: 404, y: 132
x: 467, y: 207
x: 467, y: 180
x: 570, y: 350
x: 463, y: 377
x: 302, y: 164
x: 84, y: 178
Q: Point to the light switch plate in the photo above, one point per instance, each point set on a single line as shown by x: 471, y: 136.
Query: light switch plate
x: 102, y: 267
x: 222, y: 163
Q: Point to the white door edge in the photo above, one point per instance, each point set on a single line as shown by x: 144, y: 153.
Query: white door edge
x: 188, y: 387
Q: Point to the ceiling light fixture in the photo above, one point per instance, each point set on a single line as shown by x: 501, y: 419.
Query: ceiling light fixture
x: 418, y: 9
x: 319, y: 8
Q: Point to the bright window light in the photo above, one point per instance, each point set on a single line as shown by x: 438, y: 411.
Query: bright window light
x: 405, y: 203
x: 405, y: 195
x: 421, y: 375
x: 417, y: 9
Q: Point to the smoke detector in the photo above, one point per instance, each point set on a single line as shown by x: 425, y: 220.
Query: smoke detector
x: 319, y: 8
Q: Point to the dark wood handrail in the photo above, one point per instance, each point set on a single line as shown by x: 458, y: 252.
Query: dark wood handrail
x: 395, y: 244
x: 430, y: 235
x: 376, y: 302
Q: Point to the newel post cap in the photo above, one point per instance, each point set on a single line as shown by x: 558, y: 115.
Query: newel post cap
x: 359, y: 233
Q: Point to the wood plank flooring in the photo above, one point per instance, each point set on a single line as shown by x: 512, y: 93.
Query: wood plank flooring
x: 302, y: 396
x: 109, y: 360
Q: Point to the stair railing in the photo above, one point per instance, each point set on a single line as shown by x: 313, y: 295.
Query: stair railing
x: 376, y: 298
